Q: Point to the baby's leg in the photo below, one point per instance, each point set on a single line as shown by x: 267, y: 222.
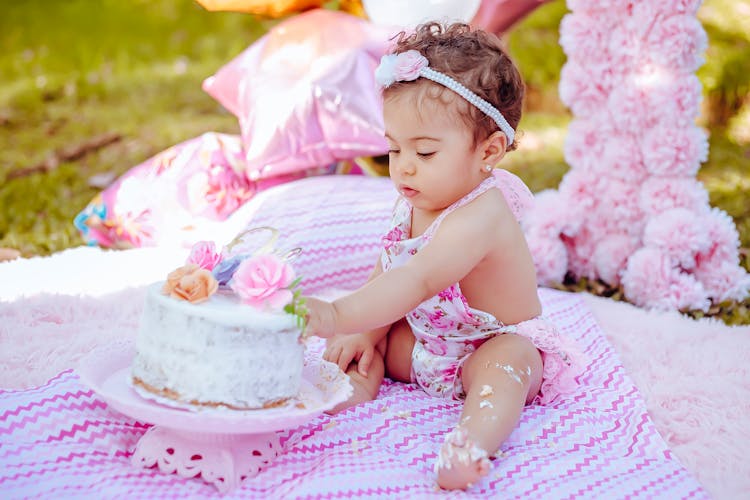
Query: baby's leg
x: 398, y: 351
x: 499, y: 379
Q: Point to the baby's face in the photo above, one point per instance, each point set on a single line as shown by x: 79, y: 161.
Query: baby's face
x: 432, y: 159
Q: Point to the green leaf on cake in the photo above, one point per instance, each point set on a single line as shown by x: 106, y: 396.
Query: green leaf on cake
x: 297, y: 306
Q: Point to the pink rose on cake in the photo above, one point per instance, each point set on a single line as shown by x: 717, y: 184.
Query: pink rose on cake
x: 190, y: 282
x: 204, y: 255
x: 264, y: 281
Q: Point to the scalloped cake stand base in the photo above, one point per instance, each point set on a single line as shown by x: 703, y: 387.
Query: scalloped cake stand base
x: 224, y: 460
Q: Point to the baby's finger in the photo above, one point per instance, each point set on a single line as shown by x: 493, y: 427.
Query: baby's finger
x: 347, y: 354
x: 364, y: 362
x: 332, y: 353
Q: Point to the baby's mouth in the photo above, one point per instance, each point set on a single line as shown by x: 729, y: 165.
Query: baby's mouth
x: 407, y: 191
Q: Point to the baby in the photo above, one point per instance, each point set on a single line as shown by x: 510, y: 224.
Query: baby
x: 452, y: 303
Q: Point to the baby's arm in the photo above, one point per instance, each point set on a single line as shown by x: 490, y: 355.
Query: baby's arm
x: 463, y: 239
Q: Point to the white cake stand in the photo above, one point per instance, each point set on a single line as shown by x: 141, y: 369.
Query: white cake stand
x: 221, y: 445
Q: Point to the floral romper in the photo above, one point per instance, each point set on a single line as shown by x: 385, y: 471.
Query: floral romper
x: 448, y: 329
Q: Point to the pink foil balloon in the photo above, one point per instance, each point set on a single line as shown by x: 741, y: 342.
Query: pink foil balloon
x: 305, y: 93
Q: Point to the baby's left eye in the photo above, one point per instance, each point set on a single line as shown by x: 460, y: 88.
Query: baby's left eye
x: 425, y: 155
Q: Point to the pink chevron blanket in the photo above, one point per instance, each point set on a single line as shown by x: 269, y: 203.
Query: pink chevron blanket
x: 60, y: 440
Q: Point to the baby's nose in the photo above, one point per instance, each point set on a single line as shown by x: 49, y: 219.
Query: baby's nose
x: 403, y: 165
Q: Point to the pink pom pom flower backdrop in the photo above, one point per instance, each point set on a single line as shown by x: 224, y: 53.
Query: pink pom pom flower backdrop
x: 630, y: 211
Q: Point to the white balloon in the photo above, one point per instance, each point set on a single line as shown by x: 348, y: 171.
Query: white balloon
x: 413, y: 12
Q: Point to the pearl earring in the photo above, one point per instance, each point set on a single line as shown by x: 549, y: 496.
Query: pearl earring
x: 488, y: 168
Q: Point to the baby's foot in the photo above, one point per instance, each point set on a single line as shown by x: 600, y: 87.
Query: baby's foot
x: 460, y: 462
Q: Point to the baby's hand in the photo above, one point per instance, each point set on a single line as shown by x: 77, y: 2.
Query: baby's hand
x: 343, y: 349
x: 321, y: 318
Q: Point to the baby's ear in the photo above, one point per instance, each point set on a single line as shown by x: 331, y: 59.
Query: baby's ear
x: 493, y: 148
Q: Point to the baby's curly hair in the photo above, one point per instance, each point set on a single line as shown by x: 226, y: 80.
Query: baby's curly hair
x: 477, y: 60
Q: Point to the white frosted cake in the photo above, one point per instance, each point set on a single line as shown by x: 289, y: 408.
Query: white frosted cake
x: 217, y: 352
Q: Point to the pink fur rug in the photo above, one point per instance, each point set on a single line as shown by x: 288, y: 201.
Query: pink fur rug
x: 690, y: 373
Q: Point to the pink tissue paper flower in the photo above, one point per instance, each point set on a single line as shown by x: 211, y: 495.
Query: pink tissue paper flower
x: 675, y: 151
x: 658, y: 194
x: 634, y: 23
x: 629, y: 102
x: 723, y: 235
x: 723, y: 280
x: 582, y: 36
x: 583, y: 190
x: 678, y: 42
x: 585, y: 89
x: 625, y: 47
x: 622, y: 158
x: 611, y: 255
x: 650, y: 280
x: 677, y: 235
x: 585, y: 140
x: 262, y: 281
x: 619, y: 211
x: 204, y: 255
x: 678, y: 97
x: 551, y: 216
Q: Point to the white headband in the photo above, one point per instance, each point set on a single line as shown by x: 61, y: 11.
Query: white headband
x: 410, y: 65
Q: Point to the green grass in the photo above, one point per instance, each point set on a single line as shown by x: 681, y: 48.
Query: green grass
x: 77, y: 69
x: 74, y: 70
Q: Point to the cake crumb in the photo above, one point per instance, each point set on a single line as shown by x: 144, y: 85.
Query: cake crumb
x: 486, y: 391
x: 329, y: 425
x: 403, y: 414
x: 300, y: 405
x: 357, y: 446
x: 485, y: 404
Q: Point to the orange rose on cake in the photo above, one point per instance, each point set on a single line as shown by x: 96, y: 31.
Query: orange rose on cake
x: 190, y: 282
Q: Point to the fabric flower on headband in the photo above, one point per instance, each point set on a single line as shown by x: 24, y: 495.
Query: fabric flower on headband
x: 403, y: 67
